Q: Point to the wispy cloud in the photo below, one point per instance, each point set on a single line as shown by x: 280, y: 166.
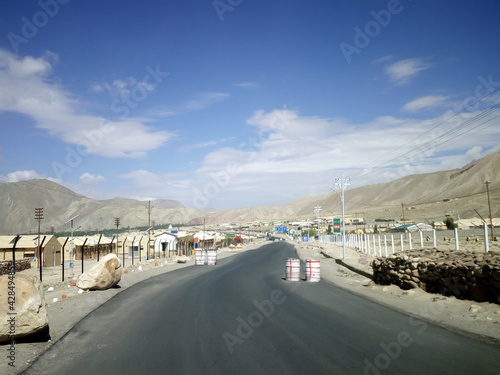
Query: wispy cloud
x: 28, y: 88
x: 248, y: 85
x: 197, y: 146
x: 121, y: 88
x: 401, y: 72
x: 204, y: 100
x: 382, y: 59
x: 198, y: 102
x: 427, y: 102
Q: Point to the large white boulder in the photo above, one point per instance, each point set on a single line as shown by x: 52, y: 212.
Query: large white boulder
x: 103, y: 275
x: 22, y: 303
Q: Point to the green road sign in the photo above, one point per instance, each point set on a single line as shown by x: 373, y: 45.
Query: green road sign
x: 336, y: 225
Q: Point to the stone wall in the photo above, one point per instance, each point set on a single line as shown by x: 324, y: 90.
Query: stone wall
x: 465, y: 275
x: 22, y: 264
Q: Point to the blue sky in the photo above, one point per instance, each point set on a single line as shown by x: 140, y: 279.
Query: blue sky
x: 233, y: 103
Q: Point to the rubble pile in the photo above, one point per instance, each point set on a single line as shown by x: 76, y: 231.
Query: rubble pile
x: 21, y: 265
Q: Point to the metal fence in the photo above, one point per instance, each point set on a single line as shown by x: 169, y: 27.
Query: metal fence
x: 383, y: 244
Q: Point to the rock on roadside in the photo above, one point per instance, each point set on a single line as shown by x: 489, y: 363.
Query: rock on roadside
x: 103, y: 275
x: 29, y: 307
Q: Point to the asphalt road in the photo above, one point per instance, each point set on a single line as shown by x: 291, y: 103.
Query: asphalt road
x: 242, y: 317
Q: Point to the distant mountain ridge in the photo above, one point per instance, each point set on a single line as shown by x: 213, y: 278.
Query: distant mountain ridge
x: 459, y: 192
x: 423, y: 194
x: 19, y: 200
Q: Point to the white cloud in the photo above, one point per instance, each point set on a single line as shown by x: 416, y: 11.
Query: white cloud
x: 402, y: 71
x: 427, y: 102
x: 294, y: 156
x: 23, y: 176
x: 90, y: 180
x: 289, y: 156
x: 26, y: 90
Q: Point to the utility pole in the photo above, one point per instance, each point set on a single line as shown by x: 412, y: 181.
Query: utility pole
x: 317, y: 209
x: 342, y: 182
x: 39, y: 218
x: 489, y: 207
x: 404, y: 221
x: 117, y: 223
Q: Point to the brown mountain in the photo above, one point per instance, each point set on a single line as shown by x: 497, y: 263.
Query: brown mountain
x: 19, y: 200
x: 425, y: 197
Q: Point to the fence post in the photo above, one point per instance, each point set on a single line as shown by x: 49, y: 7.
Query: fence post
x: 402, y: 245
x: 62, y: 255
x: 392, y: 243
x: 409, y: 241
x: 385, y: 245
x: 379, y: 246
x: 367, y: 240
x: 457, y: 247
x: 486, y: 243
x: 421, y: 239
x: 434, y: 239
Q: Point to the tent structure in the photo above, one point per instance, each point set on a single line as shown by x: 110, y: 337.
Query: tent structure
x: 419, y: 227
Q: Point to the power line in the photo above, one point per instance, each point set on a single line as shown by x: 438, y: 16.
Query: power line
x: 432, y: 143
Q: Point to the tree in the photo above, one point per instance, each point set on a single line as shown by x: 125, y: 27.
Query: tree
x: 375, y: 229
x: 450, y: 223
x: 329, y: 230
x: 312, y: 232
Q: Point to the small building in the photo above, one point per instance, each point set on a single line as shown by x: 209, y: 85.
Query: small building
x: 165, y: 243
x: 87, y: 246
x: 27, y: 246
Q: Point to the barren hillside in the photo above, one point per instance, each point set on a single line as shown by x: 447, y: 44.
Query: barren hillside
x: 19, y: 200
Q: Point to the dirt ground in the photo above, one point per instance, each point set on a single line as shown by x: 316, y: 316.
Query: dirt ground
x: 66, y: 305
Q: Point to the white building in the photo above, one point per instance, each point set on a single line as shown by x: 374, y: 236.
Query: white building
x: 165, y: 242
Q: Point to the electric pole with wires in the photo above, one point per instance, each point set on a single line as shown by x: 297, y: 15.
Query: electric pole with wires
x: 117, y: 223
x: 39, y: 218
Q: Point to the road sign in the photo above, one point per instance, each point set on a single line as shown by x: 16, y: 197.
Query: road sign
x: 336, y: 225
x: 281, y: 229
x: 305, y: 238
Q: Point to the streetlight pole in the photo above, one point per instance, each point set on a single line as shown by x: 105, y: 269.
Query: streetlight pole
x: 489, y: 207
x: 342, y: 182
x: 72, y: 242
